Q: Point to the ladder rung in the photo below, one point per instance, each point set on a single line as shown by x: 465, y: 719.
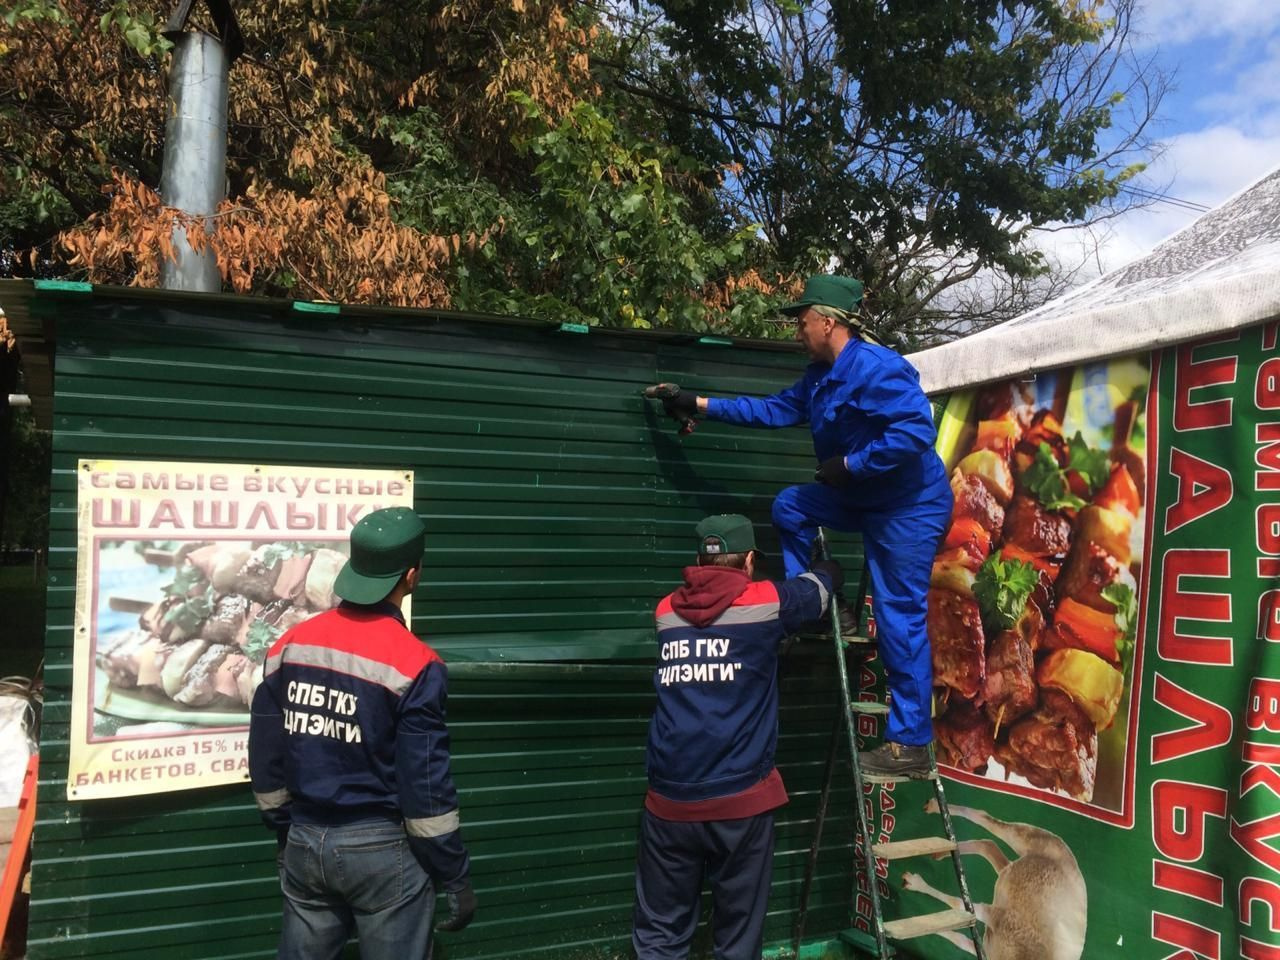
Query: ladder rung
x: 865, y: 942
x: 869, y: 706
x: 928, y: 923
x: 919, y: 847
x: 889, y: 778
x: 857, y: 639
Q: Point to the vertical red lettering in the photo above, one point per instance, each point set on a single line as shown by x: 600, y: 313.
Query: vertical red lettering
x: 1200, y: 941
x: 1188, y: 881
x: 1178, y: 604
x: 1269, y: 616
x: 1253, y: 950
x: 1212, y: 723
x: 1263, y: 707
x: 1190, y: 375
x: 1266, y: 388
x: 1178, y: 814
x: 1267, y: 525
x: 1253, y: 836
x: 1256, y: 890
x: 1267, y: 457
x: 1261, y: 753
x: 1203, y: 487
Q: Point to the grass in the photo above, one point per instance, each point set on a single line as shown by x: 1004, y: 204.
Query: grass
x: 21, y: 621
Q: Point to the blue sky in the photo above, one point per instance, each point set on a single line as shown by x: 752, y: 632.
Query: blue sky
x: 1219, y: 126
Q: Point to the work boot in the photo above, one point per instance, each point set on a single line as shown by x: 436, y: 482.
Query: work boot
x: 822, y: 626
x: 897, y: 760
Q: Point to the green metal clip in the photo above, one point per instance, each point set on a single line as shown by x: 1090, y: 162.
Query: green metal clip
x: 310, y: 306
x: 64, y: 286
x: 716, y: 341
x: 567, y: 327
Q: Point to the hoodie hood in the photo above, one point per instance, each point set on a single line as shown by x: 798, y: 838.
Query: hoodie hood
x: 708, y: 592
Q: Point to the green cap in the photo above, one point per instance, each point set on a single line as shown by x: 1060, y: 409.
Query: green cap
x: 844, y: 293
x: 384, y: 545
x: 725, y: 533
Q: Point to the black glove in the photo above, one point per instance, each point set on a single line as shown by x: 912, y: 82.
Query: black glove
x: 462, y: 908
x: 833, y: 571
x: 833, y: 472
x: 683, y: 406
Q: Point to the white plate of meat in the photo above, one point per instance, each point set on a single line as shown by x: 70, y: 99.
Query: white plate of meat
x: 182, y: 630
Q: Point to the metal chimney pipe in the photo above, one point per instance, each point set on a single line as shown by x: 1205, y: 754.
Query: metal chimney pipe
x: 193, y: 177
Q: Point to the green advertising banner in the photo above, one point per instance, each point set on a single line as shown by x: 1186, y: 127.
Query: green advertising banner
x: 1105, y: 624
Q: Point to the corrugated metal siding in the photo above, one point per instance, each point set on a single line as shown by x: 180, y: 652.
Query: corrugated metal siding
x: 559, y: 508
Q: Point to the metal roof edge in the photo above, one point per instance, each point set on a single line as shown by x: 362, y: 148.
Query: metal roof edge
x: 1113, y: 330
x: 37, y: 339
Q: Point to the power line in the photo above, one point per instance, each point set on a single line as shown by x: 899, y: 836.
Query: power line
x: 1165, y: 198
x: 1145, y: 194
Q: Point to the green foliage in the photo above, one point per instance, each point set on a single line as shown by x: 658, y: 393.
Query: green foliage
x: 1048, y: 482
x: 598, y: 231
x: 1121, y: 596
x: 49, y: 10
x: 1002, y: 588
x: 279, y: 552
x: 188, y: 615
x: 666, y: 164
x: 1091, y: 464
x: 259, y: 640
x: 912, y: 144
x: 186, y: 581
x: 138, y: 27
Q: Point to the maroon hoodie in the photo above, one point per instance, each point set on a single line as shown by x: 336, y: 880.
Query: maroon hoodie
x: 708, y: 592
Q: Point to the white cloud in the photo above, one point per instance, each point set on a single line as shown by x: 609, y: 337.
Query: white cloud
x: 1174, y: 22
x: 1204, y: 166
x: 1253, y: 92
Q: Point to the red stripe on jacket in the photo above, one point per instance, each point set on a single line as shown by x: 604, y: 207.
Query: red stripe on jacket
x: 372, y: 634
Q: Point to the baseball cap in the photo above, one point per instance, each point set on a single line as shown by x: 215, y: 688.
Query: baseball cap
x: 384, y: 545
x: 725, y: 533
x: 844, y: 293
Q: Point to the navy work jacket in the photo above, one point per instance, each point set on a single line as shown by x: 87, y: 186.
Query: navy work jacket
x: 867, y: 407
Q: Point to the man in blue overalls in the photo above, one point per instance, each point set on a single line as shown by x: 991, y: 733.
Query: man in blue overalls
x: 877, y: 474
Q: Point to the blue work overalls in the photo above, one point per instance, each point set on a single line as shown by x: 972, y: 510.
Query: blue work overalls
x: 868, y: 407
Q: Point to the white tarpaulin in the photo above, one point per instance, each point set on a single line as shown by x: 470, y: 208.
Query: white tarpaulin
x: 1220, y: 273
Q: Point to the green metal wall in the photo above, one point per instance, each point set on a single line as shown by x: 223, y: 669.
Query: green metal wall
x: 559, y: 508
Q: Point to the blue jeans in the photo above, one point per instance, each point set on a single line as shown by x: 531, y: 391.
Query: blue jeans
x: 899, y: 543
x: 361, y: 877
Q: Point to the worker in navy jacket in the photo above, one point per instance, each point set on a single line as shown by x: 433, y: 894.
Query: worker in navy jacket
x: 877, y: 474
x: 713, y: 786
x: 349, y: 758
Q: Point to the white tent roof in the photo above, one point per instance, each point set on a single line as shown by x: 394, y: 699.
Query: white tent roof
x: 1220, y: 273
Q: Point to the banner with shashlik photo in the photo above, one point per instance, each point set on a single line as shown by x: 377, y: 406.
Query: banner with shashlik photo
x: 186, y: 574
x: 1104, y: 618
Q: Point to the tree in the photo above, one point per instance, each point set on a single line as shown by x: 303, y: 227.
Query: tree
x: 914, y: 144
x: 425, y: 154
x: 679, y: 165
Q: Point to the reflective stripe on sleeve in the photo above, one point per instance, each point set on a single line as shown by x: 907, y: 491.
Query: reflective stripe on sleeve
x: 822, y: 591
x: 272, y: 800
x: 432, y: 826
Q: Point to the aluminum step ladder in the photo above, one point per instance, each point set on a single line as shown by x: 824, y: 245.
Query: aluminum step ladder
x: 879, y: 943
